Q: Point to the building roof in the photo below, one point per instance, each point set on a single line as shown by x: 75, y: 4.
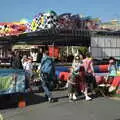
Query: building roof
x: 51, y: 36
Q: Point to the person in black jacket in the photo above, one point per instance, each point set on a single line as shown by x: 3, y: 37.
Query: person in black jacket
x: 16, y: 61
x: 40, y: 54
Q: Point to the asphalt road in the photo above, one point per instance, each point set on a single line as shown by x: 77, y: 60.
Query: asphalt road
x: 37, y: 108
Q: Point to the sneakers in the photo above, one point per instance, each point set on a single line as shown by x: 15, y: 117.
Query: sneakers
x: 70, y: 96
x: 50, y: 100
x: 112, y: 88
x: 87, y: 98
x: 74, y: 97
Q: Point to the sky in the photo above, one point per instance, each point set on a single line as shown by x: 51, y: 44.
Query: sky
x: 15, y: 10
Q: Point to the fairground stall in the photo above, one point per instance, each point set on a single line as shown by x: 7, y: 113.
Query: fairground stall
x: 12, y: 81
x: 58, y: 32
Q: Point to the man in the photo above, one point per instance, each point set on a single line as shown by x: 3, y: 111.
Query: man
x: 39, y: 55
x: 16, y: 60
x: 47, y: 73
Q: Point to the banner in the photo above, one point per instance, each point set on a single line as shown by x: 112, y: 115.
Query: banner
x: 54, y: 52
x: 12, y: 81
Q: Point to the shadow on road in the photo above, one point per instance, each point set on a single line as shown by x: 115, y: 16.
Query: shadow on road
x: 8, y: 102
x: 32, y: 99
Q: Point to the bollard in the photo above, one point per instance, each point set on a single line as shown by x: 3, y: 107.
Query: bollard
x: 21, y: 102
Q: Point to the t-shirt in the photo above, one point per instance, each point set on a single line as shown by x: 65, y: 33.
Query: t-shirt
x: 112, y: 70
x: 27, y: 66
x: 34, y: 56
x: 76, y: 66
x: 87, y: 62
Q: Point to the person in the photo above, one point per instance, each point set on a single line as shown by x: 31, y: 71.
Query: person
x: 77, y: 80
x: 112, y: 72
x: 90, y: 76
x: 72, y: 81
x: 39, y: 55
x: 34, y: 54
x: 112, y: 68
x: 47, y: 73
x: 16, y: 60
x: 24, y: 58
x: 28, y: 67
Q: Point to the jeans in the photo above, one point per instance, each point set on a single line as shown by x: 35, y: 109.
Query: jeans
x: 46, y: 90
x: 44, y: 84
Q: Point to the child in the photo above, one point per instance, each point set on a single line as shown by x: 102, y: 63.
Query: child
x: 72, y: 81
x: 27, y: 65
x: 112, y: 72
x: 72, y: 86
x: 112, y: 68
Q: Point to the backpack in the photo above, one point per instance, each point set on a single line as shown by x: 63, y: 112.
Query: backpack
x: 47, y: 65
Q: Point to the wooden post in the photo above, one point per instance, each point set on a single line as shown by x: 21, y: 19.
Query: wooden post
x: 67, y: 51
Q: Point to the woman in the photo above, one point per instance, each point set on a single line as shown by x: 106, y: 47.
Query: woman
x: 88, y: 65
x: 77, y: 79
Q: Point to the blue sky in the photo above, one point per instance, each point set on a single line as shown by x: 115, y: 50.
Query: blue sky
x: 14, y: 10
